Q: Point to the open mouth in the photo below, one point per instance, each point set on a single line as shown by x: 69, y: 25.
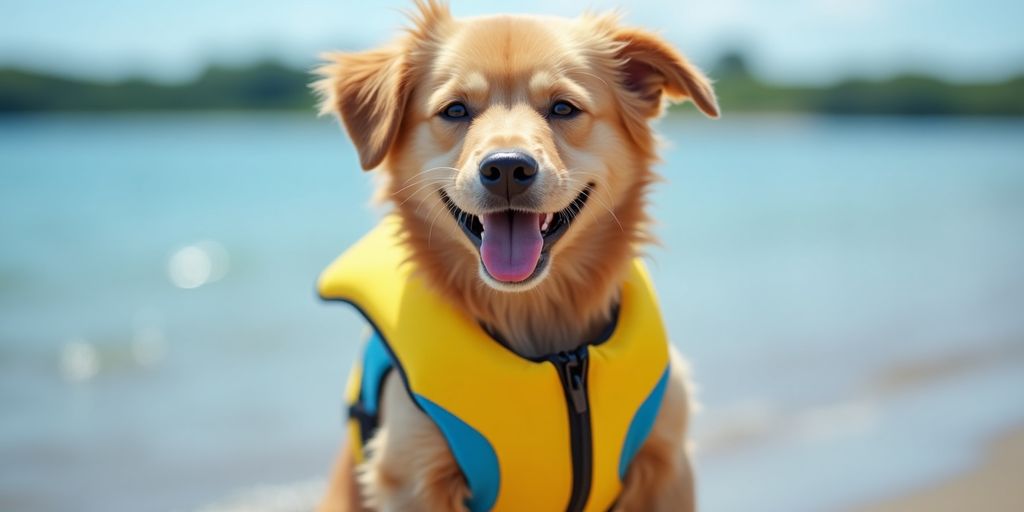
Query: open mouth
x: 514, y: 244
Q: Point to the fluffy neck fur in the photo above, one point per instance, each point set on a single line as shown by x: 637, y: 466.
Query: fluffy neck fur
x: 571, y: 307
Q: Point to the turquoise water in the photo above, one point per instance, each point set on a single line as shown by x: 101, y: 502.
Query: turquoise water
x: 802, y: 259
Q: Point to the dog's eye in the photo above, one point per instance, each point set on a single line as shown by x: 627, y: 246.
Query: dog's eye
x: 563, y: 109
x: 455, y: 111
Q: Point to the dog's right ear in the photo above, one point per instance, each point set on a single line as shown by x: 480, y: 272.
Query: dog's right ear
x: 368, y: 92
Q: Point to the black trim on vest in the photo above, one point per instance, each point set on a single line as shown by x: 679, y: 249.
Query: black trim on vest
x: 368, y: 422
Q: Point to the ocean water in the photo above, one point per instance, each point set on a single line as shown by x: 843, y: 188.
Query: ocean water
x: 161, y: 347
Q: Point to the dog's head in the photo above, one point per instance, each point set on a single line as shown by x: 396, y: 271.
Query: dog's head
x: 516, y: 148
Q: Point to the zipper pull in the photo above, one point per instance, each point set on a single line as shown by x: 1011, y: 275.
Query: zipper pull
x: 575, y: 377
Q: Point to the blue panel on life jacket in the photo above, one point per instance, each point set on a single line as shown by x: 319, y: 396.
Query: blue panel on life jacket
x: 376, y: 364
x: 641, y: 425
x: 472, y: 452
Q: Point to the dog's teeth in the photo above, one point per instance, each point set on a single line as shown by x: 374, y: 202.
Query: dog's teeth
x: 547, y: 222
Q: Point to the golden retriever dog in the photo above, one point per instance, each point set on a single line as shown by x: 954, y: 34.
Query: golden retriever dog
x: 493, y: 124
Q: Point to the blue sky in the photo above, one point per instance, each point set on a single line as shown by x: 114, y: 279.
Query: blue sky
x: 791, y: 41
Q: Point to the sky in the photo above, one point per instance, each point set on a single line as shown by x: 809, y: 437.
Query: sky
x: 792, y: 41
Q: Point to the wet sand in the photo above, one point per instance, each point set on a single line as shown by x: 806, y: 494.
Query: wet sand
x: 994, y: 485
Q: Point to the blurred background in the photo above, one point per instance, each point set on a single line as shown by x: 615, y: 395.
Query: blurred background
x: 843, y: 256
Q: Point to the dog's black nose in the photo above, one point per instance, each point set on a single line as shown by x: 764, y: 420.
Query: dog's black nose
x: 507, y: 174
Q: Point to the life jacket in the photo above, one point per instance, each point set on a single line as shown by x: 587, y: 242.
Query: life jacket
x: 556, y: 433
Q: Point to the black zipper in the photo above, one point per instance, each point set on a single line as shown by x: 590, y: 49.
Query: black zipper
x: 572, y: 369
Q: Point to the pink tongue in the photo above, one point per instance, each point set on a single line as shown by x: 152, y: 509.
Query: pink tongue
x: 511, y: 245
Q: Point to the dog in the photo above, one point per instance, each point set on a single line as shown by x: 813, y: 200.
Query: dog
x: 516, y: 154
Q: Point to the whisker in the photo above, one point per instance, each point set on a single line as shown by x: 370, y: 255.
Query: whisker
x: 425, y: 183
x: 422, y: 176
x: 430, y: 232
x: 435, y: 207
x: 432, y: 179
x: 425, y: 187
x: 421, y: 204
x: 432, y: 169
x: 599, y: 201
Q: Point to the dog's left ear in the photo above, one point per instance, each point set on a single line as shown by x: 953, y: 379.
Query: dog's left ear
x: 652, y: 69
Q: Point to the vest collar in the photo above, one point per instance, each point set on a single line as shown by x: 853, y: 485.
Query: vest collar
x: 603, y: 336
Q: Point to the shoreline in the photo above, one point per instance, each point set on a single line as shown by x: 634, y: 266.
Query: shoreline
x: 991, y: 484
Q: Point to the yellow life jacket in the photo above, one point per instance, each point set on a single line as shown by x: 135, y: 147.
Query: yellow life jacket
x: 557, y: 433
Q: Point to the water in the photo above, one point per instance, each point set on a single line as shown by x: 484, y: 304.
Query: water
x: 803, y: 259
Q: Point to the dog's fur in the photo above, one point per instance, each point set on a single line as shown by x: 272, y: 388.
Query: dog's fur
x: 508, y: 70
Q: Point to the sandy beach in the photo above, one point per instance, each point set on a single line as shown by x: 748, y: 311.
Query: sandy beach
x: 993, y: 485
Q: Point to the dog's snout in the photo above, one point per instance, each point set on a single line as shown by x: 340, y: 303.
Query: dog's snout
x: 508, y: 174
